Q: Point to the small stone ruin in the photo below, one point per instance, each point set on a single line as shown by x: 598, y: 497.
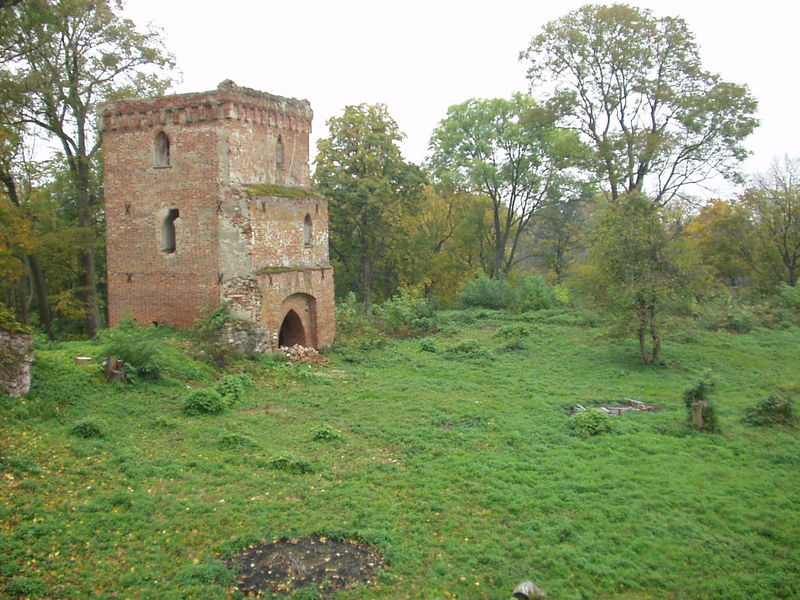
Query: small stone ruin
x: 16, y: 356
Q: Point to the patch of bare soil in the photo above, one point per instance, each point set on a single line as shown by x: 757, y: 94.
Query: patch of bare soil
x: 290, y: 565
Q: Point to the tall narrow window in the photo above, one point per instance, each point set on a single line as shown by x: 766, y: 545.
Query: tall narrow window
x: 162, y: 149
x: 308, y: 230
x: 279, y: 153
x: 168, y: 231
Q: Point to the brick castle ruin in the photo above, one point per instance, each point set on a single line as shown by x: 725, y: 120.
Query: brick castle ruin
x: 207, y: 200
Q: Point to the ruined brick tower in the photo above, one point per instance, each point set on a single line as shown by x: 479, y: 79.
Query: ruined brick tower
x: 207, y: 200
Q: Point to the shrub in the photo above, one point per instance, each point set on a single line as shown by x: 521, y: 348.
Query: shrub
x: 515, y: 331
x: 291, y: 464
x: 236, y: 441
x: 137, y: 347
x: 210, y: 572
x: 775, y: 409
x: 232, y: 387
x: 407, y: 313
x: 24, y: 587
x: 203, y: 402
x: 512, y: 346
x: 428, y: 345
x: 531, y: 293
x: 89, y: 427
x: 518, y: 294
x: 593, y: 421
x: 790, y: 296
x: 326, y: 433
x: 700, y: 393
x: 486, y: 293
x: 351, y: 320
x: 724, y: 314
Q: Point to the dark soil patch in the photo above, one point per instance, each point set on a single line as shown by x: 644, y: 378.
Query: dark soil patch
x: 289, y: 565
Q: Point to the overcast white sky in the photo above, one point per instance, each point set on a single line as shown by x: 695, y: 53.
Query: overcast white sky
x: 420, y: 57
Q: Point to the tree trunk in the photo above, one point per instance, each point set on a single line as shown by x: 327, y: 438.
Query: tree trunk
x: 366, y: 284
x: 656, y: 355
x: 41, y: 295
x: 643, y: 342
x: 88, y: 277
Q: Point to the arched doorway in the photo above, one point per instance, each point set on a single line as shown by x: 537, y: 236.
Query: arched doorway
x: 292, y: 330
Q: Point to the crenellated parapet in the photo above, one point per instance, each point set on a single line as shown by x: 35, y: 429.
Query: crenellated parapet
x: 227, y: 102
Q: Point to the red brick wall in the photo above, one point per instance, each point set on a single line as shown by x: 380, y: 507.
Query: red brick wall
x: 224, y: 236
x: 143, y: 281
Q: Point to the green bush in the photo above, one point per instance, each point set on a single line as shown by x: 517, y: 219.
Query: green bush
x: 486, y: 293
x: 468, y: 349
x: 89, y: 427
x: 593, y: 421
x: 724, y: 314
x: 351, y: 320
x: 531, y: 293
x: 291, y: 464
x: 203, y: 402
x: 790, y: 296
x: 210, y: 572
x: 326, y: 433
x: 701, y: 392
x: 518, y: 294
x: 407, y: 313
x: 24, y: 587
x: 236, y: 441
x: 232, y: 387
x: 775, y: 409
x: 138, y: 347
x: 428, y: 345
x: 515, y: 331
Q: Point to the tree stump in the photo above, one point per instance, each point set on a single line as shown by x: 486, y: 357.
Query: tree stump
x: 115, y: 370
x: 698, y: 414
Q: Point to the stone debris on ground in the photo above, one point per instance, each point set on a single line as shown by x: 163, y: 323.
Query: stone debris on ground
x: 304, y: 355
x: 627, y: 405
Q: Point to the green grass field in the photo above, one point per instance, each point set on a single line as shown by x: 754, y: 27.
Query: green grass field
x: 452, y: 454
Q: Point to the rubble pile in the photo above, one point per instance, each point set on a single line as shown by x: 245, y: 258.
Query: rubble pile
x: 627, y: 405
x: 304, y: 355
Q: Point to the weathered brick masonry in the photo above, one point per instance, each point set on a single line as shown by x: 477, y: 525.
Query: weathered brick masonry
x: 190, y: 223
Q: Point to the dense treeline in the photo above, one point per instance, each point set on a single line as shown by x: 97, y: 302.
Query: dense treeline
x: 588, y: 180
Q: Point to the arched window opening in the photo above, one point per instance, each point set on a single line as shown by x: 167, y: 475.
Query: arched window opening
x: 168, y: 244
x: 279, y: 153
x: 162, y: 149
x: 292, y: 331
x: 308, y: 231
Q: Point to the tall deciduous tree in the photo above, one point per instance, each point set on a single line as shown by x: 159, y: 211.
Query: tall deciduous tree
x: 774, y: 203
x: 634, y: 86
x: 360, y: 168
x: 637, y: 271
x: 510, y: 151
x: 86, y: 53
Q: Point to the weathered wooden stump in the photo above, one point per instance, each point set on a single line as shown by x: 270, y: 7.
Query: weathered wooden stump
x: 115, y: 370
x: 698, y: 414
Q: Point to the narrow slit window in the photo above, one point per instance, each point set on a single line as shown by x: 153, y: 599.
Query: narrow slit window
x: 308, y: 231
x: 168, y: 244
x: 162, y: 149
x: 279, y: 153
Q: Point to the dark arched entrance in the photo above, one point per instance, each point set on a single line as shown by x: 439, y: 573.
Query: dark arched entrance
x: 292, y: 330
